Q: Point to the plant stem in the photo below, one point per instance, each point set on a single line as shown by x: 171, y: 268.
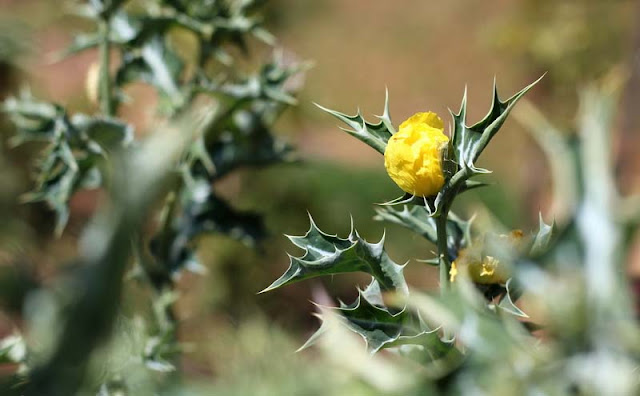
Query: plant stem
x: 160, y: 279
x: 450, y: 192
x: 106, y: 100
x: 443, y: 251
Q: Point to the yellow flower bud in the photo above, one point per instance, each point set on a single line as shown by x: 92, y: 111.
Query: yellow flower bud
x: 413, y: 157
x: 483, y: 268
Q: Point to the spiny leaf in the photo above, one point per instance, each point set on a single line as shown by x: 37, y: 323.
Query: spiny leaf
x: 375, y: 323
x: 270, y: 83
x: 543, y: 238
x: 246, y: 141
x: 419, y: 220
x: 104, y: 133
x: 203, y: 212
x: 416, y: 218
x: 426, y: 347
x: 375, y: 135
x: 509, y: 299
x: 382, y: 328
x: 34, y: 120
x: 213, y: 214
x: 157, y: 65
x: 76, y: 146
x: 469, y: 141
x: 328, y: 254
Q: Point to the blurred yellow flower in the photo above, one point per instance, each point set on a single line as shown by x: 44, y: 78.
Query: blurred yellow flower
x: 487, y: 271
x: 413, y: 157
x: 483, y: 268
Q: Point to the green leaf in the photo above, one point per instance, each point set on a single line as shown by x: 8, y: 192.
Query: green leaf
x: 328, y: 254
x: 77, y: 144
x: 508, y: 300
x: 426, y: 347
x: 270, y: 83
x: 416, y: 218
x: 245, y: 141
x: 13, y: 349
x: 202, y: 212
x: 383, y: 328
x: 154, y: 64
x: 544, y: 237
x: 33, y: 119
x: 214, y: 215
x: 105, y: 133
x: 375, y: 323
x: 419, y: 220
x: 469, y: 141
x: 374, y: 135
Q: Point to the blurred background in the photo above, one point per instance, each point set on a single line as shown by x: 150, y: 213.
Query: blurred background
x: 423, y: 52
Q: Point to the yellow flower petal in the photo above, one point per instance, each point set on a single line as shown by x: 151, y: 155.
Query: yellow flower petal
x: 453, y: 272
x: 413, y: 157
x: 429, y: 118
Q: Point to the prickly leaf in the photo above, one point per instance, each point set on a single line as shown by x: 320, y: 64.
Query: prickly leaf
x: 328, y: 254
x: 543, y: 238
x: 374, y: 135
x: 469, y: 141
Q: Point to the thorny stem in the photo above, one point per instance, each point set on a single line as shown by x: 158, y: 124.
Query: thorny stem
x: 443, y: 254
x: 449, y: 193
x: 106, y: 100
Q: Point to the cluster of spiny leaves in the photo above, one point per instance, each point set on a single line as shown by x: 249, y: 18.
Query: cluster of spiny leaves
x: 385, y: 326
x: 233, y: 129
x: 76, y: 146
x: 472, y: 337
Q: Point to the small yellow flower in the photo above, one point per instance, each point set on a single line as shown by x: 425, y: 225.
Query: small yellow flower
x: 453, y: 272
x: 481, y: 267
x: 413, y: 157
x: 485, y: 270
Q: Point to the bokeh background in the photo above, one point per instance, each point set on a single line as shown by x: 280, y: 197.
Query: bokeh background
x: 423, y: 52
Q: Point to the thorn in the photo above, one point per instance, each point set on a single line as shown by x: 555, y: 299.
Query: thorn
x: 351, y: 226
x: 312, y: 223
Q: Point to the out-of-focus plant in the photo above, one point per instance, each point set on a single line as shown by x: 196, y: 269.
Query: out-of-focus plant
x: 224, y: 111
x: 575, y: 333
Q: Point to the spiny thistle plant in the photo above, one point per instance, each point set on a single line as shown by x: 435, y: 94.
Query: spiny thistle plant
x: 473, y: 337
x: 225, y: 114
x: 544, y: 312
x: 433, y: 170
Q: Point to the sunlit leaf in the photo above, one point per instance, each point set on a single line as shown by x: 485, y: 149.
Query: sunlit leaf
x: 328, y: 254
